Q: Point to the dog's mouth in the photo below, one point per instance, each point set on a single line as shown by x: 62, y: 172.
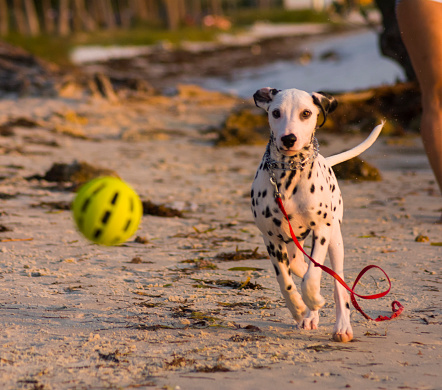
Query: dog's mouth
x: 292, y: 151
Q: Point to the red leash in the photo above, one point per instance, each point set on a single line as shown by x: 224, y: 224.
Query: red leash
x: 396, y: 306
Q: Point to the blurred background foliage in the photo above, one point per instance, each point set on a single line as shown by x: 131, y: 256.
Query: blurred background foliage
x: 50, y: 28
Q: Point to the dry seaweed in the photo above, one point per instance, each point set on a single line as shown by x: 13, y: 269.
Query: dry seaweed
x: 61, y: 205
x: 199, y: 264
x: 241, y: 254
x: 110, y: 357
x: 160, y: 210
x: 216, y: 368
x: 237, y: 338
x: 76, y: 173
x: 179, y: 361
x: 356, y: 169
x: 4, y: 229
x: 246, y: 285
x: 244, y: 127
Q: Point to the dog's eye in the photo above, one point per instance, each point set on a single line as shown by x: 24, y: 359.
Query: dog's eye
x: 306, y: 114
x: 276, y: 114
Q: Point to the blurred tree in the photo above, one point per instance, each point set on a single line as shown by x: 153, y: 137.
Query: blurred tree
x: 48, y: 16
x: 32, y: 18
x: 4, y: 18
x: 20, y: 22
x: 81, y: 18
x: 63, y: 18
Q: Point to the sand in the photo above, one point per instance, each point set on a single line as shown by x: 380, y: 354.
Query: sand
x: 167, y: 313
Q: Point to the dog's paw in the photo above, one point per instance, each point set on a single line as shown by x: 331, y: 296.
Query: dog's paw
x: 310, y: 321
x: 298, y: 312
x: 342, y: 332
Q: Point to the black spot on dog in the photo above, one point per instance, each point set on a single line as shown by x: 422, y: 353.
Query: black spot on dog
x: 347, y: 305
x: 319, y: 212
x: 253, y: 202
x: 252, y: 193
x: 277, y: 222
x: 270, y: 233
x: 323, y: 241
x: 312, y: 223
x: 325, y: 215
x: 268, y: 213
x: 264, y: 194
x: 276, y: 269
x: 289, y: 287
x: 289, y: 180
x: 305, y: 234
x: 312, y: 188
x: 279, y: 256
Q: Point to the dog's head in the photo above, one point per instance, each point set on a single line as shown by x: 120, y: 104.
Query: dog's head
x: 293, y: 115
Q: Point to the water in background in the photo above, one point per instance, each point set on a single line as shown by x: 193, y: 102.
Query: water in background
x: 354, y: 61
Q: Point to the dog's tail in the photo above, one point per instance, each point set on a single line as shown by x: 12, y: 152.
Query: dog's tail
x: 347, y: 155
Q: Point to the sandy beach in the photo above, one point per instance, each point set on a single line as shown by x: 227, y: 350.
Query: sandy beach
x: 173, y: 309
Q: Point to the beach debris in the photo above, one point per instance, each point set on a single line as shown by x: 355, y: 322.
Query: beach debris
x: 200, y: 264
x: 6, y: 196
x: 179, y: 361
x: 246, y: 285
x: 241, y: 254
x: 76, y: 173
x: 160, y: 210
x: 356, y: 169
x: 58, y: 205
x: 102, y: 86
x: 4, y: 229
x: 15, y: 239
x: 216, y: 368
x: 421, y: 238
x: 237, y: 338
x: 110, y: 357
x: 399, y: 104
x: 141, y: 240
x: 244, y: 127
x: 328, y: 348
x: 24, y: 74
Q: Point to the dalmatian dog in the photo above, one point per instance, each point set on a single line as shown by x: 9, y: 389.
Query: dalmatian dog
x: 310, y: 193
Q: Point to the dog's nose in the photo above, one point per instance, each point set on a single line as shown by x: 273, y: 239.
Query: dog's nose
x: 289, y: 140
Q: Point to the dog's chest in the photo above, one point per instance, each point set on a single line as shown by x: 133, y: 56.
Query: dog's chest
x: 310, y: 195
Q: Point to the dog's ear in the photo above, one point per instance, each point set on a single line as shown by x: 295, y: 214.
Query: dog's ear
x: 326, y: 104
x: 264, y: 96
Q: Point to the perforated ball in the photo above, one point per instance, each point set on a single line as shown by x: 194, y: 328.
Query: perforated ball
x: 107, y: 210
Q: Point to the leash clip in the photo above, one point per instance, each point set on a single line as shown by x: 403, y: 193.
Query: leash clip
x: 275, y: 184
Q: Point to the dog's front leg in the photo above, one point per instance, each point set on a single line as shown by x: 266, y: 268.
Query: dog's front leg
x: 310, y: 285
x: 280, y: 260
x: 342, y: 330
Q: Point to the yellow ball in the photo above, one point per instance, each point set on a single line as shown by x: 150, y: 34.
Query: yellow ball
x: 107, y: 210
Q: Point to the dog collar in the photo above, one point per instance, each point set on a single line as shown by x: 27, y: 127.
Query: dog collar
x: 291, y: 165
